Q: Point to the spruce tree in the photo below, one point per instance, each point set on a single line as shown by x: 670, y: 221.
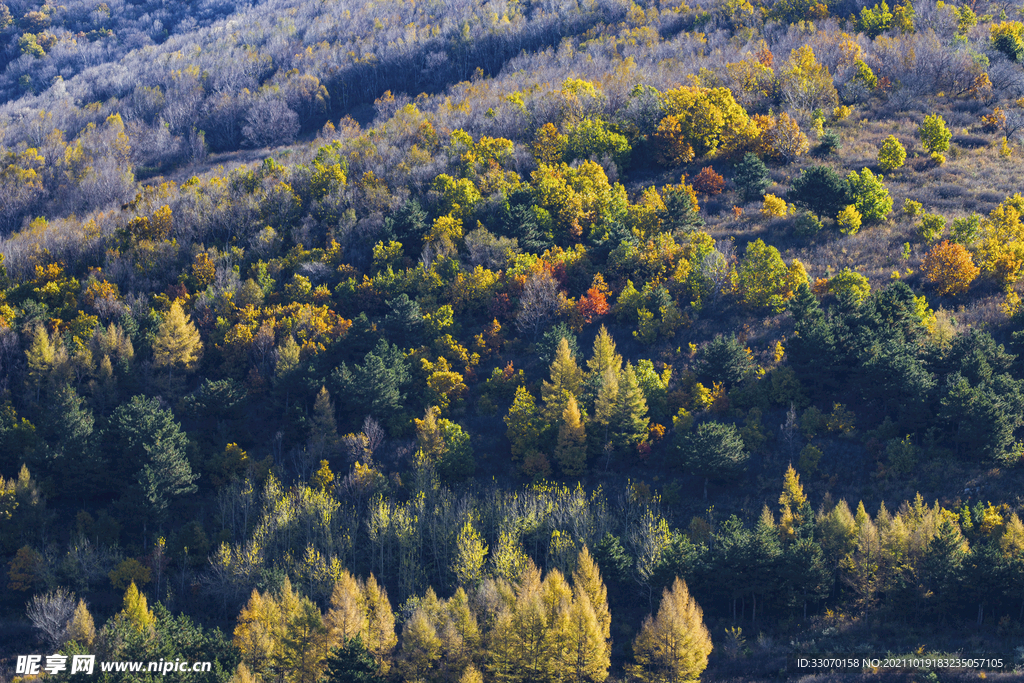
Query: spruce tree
x: 629, y: 419
x: 150, y: 448
x: 752, y: 178
x: 351, y: 662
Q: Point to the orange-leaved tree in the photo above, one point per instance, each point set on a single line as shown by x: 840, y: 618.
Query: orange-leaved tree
x: 950, y: 268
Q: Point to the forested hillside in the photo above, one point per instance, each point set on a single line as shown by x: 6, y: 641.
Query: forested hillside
x: 510, y: 341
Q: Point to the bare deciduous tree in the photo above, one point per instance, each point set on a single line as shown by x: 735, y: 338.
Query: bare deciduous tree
x: 270, y: 122
x: 51, y: 613
x: 539, y: 302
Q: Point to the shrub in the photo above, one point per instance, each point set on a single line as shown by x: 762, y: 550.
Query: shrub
x: 965, y: 230
x: 912, y: 208
x: 828, y: 144
x: 1008, y: 38
x: 708, y: 182
x: 934, y: 134
x: 932, y: 227
x: 870, y: 195
x: 751, y: 177
x: 773, y: 206
x: 807, y: 224
x: 848, y: 282
x: 821, y: 190
x: 950, y: 268
x: 892, y: 154
x: 849, y: 220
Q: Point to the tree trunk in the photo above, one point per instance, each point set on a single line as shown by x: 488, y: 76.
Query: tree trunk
x: 981, y: 613
x: 705, y: 488
x: 753, y: 610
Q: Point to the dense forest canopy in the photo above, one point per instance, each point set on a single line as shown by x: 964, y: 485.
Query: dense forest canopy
x: 510, y: 341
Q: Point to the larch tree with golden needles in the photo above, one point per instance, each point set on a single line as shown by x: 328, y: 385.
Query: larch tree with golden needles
x: 584, y: 653
x: 255, y: 632
x: 346, y: 617
x: 571, y: 452
x: 177, y: 343
x: 586, y: 578
x: 950, y: 268
x: 81, y: 628
x: 673, y: 647
x: 791, y: 502
x: 566, y: 378
x: 380, y: 631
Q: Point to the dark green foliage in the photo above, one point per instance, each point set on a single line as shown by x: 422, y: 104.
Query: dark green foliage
x: 723, y: 359
x: 409, y: 225
x: 612, y: 558
x: 518, y: 217
x: 377, y: 387
x: 215, y: 399
x: 752, y: 178
x: 828, y: 144
x: 1010, y: 45
x: 456, y: 462
x: 352, y: 663
x: 403, y: 324
x: 68, y: 427
x: 714, y: 450
x: 804, y: 575
x: 147, y: 448
x: 822, y: 190
x: 548, y: 344
x: 680, y: 211
x: 944, y: 565
x: 174, y: 637
x: 807, y: 224
x: 804, y: 306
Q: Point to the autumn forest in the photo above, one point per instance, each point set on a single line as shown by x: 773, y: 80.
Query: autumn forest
x: 511, y: 341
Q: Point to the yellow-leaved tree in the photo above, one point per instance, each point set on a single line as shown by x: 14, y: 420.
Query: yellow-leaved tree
x: 792, y: 503
x: 710, y: 121
x: 673, y: 647
x: 807, y: 84
x: 177, y: 343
